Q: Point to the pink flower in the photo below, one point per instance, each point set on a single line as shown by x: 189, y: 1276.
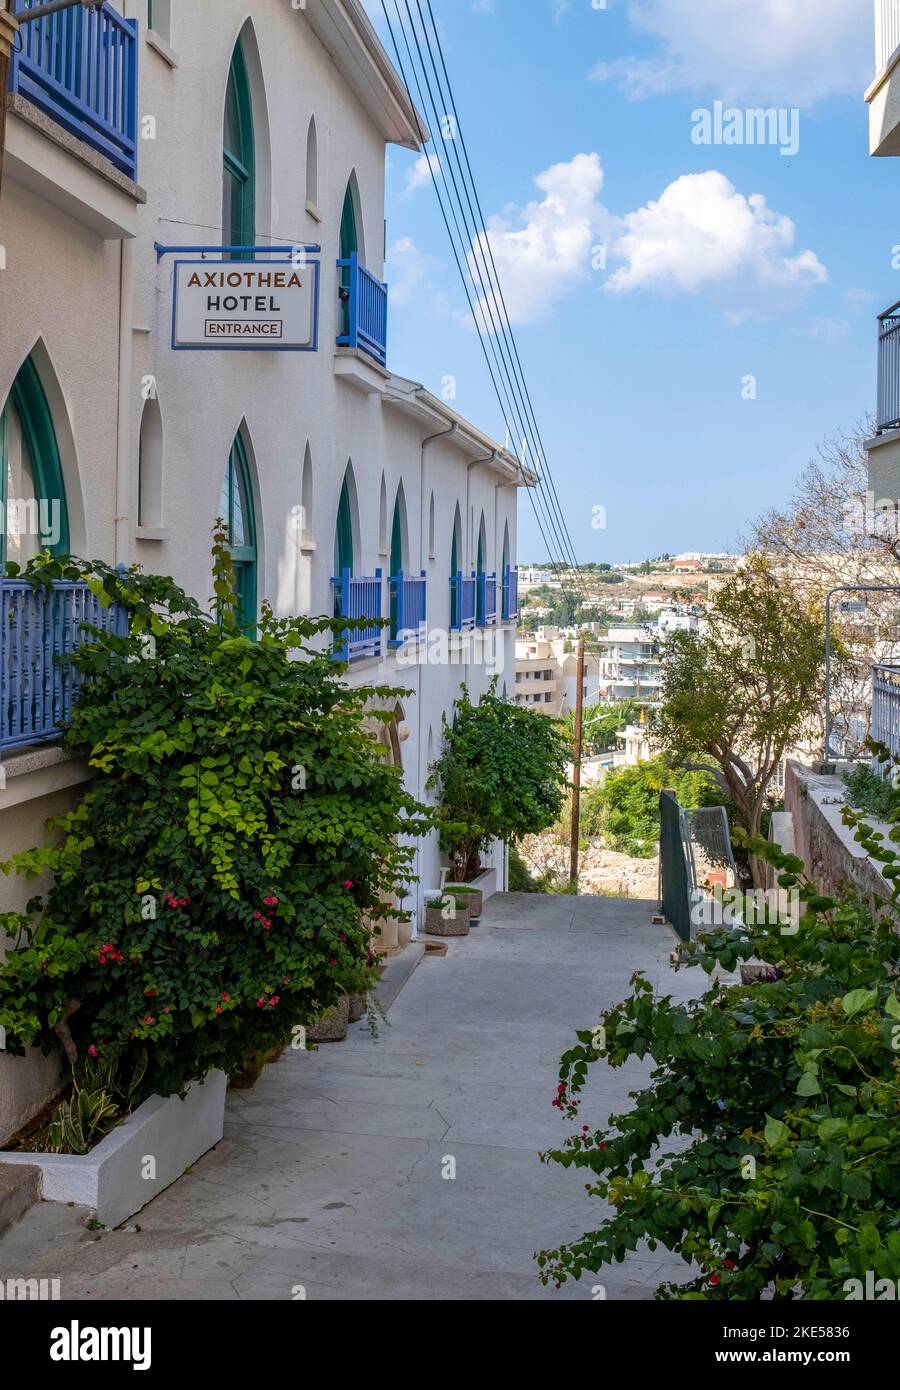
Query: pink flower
x: 148, y: 1019
x: 92, y: 1051
x: 332, y: 962
x: 274, y: 1001
x: 348, y: 884
x: 270, y: 902
x: 260, y: 1003
x: 218, y: 1008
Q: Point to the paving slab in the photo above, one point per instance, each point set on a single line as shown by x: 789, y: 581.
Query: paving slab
x: 331, y: 1182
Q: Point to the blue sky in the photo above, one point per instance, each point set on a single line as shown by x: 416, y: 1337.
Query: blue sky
x: 637, y: 371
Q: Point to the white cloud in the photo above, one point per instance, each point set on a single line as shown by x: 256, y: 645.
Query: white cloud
x: 826, y: 330
x: 543, y: 250
x: 702, y: 232
x: 791, y: 52
x: 406, y: 269
x: 421, y: 172
x: 859, y: 301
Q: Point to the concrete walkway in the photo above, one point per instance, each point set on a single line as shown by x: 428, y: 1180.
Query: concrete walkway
x: 329, y: 1177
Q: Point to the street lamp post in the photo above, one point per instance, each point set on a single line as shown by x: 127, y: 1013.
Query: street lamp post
x: 843, y: 589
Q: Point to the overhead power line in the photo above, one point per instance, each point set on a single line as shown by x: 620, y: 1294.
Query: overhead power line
x: 463, y: 219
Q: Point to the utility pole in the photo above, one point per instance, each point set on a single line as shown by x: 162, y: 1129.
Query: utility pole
x: 576, y: 772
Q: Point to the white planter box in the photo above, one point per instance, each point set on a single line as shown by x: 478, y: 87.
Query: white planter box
x: 110, y: 1179
x: 487, y: 882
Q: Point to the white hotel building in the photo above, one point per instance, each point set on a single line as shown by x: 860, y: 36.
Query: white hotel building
x: 159, y: 131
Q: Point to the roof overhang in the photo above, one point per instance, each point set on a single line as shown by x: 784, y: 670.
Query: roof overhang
x: 346, y: 32
x: 437, y: 418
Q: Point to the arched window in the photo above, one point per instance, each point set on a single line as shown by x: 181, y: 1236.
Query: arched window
x: 343, y: 536
x: 505, y: 549
x: 431, y: 528
x: 150, y: 466
x: 32, y: 495
x: 480, y: 570
x: 455, y: 570
x: 237, y: 511
x: 398, y: 555
x: 306, y: 499
x: 239, y: 166
x: 312, y: 167
x: 350, y: 243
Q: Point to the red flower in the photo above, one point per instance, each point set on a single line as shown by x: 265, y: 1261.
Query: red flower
x: 561, y: 1090
x: 148, y: 1019
x: 332, y: 962
x: 274, y: 1001
x: 266, y: 924
x: 150, y: 993
x: 260, y: 1003
x: 92, y: 1051
x: 729, y: 1264
x: 714, y: 1279
x: 270, y: 902
x: 218, y: 1008
x: 226, y: 998
x: 348, y: 884
x: 166, y: 1009
x: 285, y: 981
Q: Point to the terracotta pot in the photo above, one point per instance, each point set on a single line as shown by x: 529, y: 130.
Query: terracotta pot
x: 437, y: 924
x: 274, y: 1054
x: 472, y: 895
x: 244, y: 1080
x: 358, y: 1004
x: 332, y: 1025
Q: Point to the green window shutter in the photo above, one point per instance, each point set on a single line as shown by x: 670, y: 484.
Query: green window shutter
x: 29, y: 401
x: 343, y: 544
x: 237, y: 510
x: 239, y: 158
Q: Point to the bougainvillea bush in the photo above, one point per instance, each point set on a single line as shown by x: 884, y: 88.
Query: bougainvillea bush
x: 782, y: 1098
x: 210, y: 891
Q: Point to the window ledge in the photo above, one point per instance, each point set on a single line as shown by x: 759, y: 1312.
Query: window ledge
x: 308, y: 547
x: 151, y: 533
x: 159, y: 45
x: 313, y: 211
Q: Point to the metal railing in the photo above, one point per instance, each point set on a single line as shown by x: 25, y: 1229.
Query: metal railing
x: 365, y: 301
x: 358, y: 599
x: 81, y: 67
x: 463, y: 602
x: 487, y: 600
x: 510, y: 610
x: 38, y: 627
x: 408, y: 607
x: 887, y: 32
x: 886, y: 710
x: 888, y: 408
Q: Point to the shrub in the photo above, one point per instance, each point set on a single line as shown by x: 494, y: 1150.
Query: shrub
x: 214, y: 888
x: 868, y: 792
x: 624, y: 809
x: 782, y: 1099
x: 501, y: 775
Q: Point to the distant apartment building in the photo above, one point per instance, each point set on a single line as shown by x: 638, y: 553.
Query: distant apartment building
x: 630, y: 656
x: 547, y: 673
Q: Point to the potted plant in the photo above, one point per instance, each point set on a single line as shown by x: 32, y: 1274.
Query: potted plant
x: 196, y: 910
x: 473, y: 896
x: 448, y: 916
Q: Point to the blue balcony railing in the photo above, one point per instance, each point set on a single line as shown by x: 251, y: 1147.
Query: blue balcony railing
x: 886, y: 712
x: 408, y: 607
x: 81, y: 68
x: 510, y: 611
x: 463, y: 602
x: 358, y: 598
x: 487, y: 600
x: 364, y: 300
x: 888, y: 407
x: 37, y: 627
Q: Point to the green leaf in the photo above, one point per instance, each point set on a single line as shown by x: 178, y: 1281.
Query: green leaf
x: 857, y: 1000
x: 776, y: 1132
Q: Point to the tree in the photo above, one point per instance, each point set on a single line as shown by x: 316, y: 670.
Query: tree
x: 763, y: 1149
x: 601, y: 725
x: 746, y: 688
x: 216, y: 886
x: 624, y: 810
x: 501, y: 774
x: 834, y: 532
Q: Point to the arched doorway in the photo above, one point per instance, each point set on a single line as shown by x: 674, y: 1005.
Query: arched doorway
x: 237, y: 510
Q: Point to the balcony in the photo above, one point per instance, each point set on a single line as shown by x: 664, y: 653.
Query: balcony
x: 362, y: 341
x: 510, y: 609
x: 883, y: 96
x: 359, y: 600
x: 888, y: 407
x: 463, y: 602
x: 487, y: 600
x: 886, y: 710
x: 37, y: 627
x: 80, y: 68
x: 408, y: 608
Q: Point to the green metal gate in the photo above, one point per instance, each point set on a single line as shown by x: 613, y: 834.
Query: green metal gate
x: 673, y: 866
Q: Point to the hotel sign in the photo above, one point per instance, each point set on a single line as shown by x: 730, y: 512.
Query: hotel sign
x: 226, y: 305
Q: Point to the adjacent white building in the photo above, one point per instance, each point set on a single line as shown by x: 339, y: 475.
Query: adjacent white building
x: 183, y: 127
